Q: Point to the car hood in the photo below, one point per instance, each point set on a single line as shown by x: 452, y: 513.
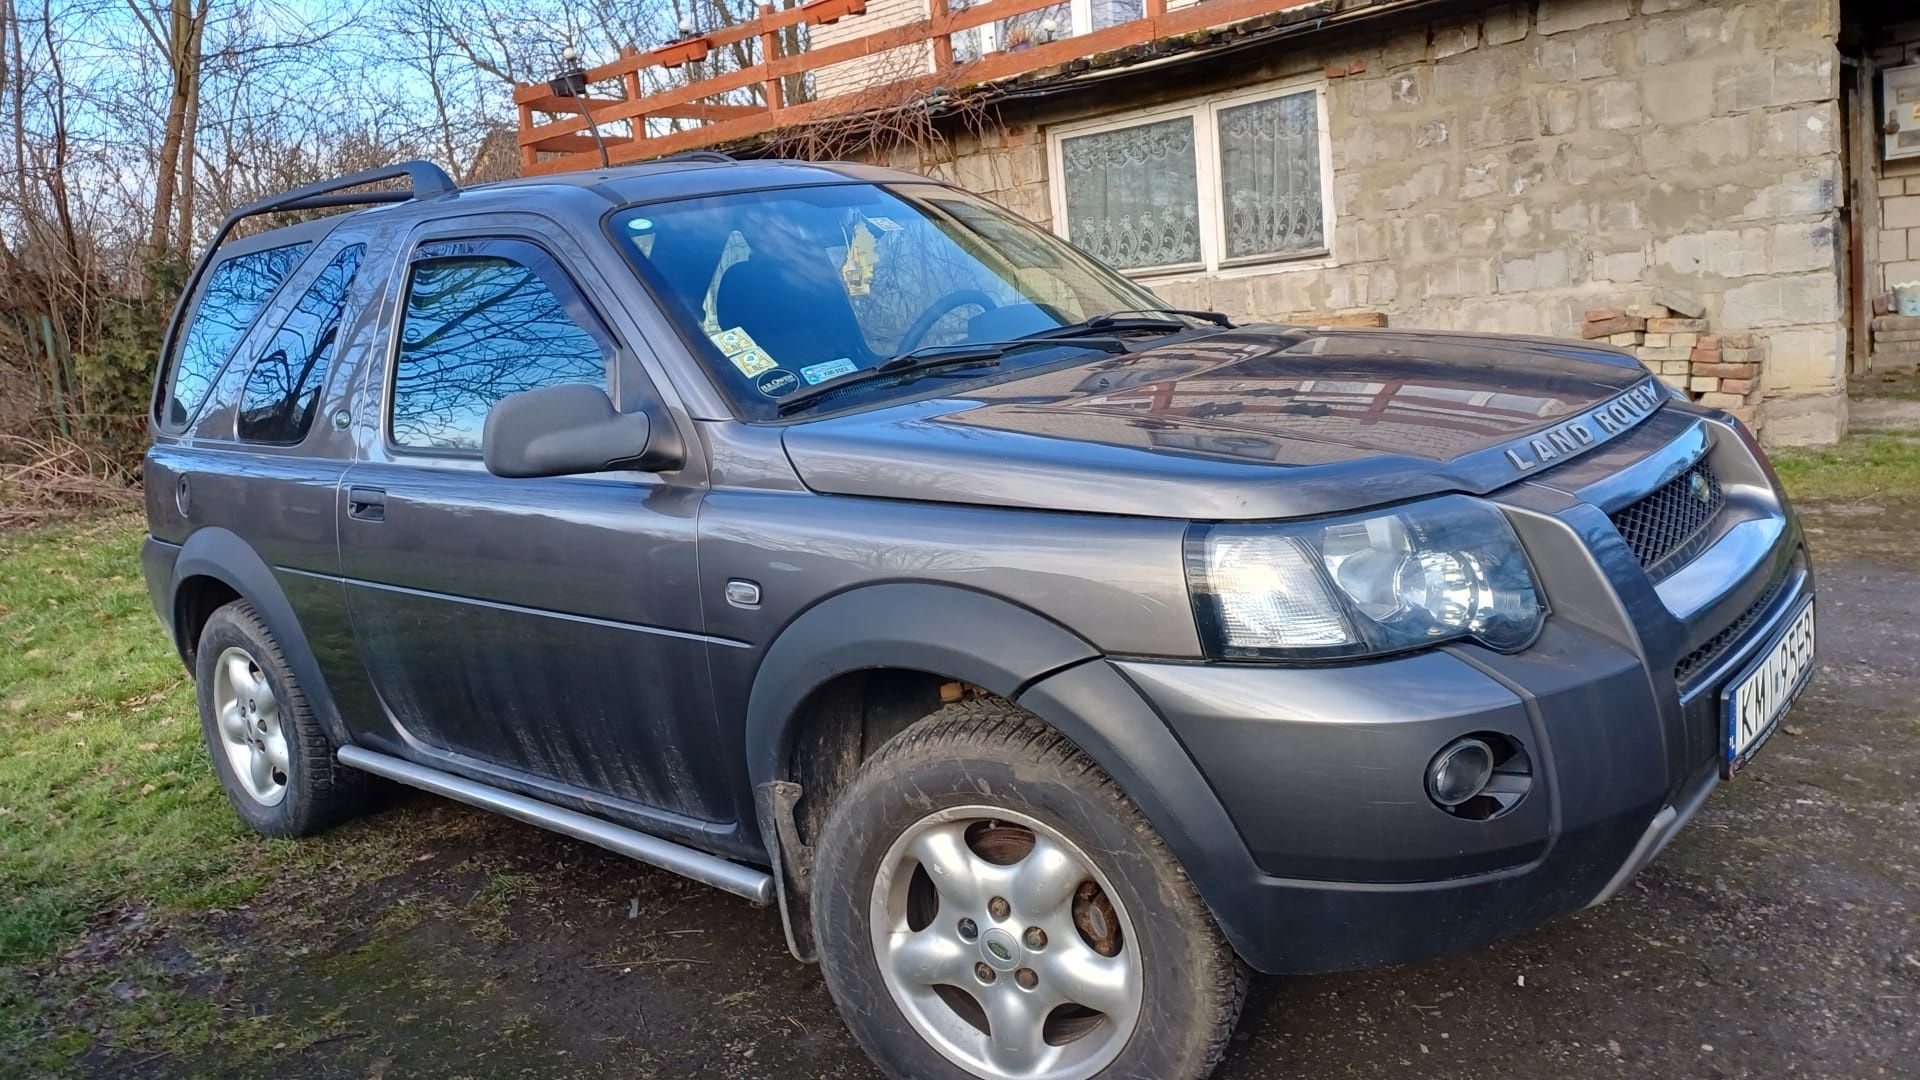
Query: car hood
x: 1256, y: 422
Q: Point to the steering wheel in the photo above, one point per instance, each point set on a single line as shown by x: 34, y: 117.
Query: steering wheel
x: 940, y: 309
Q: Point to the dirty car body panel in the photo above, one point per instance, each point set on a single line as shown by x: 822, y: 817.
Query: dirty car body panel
x: 1026, y: 529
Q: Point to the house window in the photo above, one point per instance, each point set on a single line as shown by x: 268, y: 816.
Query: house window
x: 1222, y: 182
x: 1068, y: 18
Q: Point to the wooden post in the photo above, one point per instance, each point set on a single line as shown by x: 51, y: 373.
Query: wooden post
x: 528, y: 155
x: 631, y: 80
x: 769, y: 51
x: 1156, y: 8
x: 942, y: 43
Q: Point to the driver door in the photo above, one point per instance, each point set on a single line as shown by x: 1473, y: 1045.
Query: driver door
x: 536, y: 634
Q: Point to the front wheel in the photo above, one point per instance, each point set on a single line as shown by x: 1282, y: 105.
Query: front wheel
x: 990, y: 904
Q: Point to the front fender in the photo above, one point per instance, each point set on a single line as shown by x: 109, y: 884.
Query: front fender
x: 964, y: 635
x: 1096, y: 706
x: 1041, y: 666
x: 221, y: 554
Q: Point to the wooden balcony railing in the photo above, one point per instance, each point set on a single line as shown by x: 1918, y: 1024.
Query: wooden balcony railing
x: 555, y: 135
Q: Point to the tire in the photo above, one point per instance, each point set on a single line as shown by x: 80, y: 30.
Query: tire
x: 269, y: 751
x: 953, y: 796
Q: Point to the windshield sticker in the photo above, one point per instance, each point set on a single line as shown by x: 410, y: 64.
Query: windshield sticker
x: 752, y: 362
x: 820, y: 373
x: 736, y: 340
x: 857, y: 271
x: 884, y: 224
x: 742, y: 351
x: 777, y: 383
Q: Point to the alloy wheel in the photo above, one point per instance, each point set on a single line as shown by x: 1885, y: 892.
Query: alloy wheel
x: 248, y: 717
x: 1005, y: 947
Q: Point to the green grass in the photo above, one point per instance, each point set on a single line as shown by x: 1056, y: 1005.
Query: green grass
x: 103, y: 787
x: 1878, y: 465
x: 108, y: 806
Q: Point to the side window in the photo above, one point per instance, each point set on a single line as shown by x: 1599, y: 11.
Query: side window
x: 283, y: 389
x: 479, y: 327
x: 234, y: 292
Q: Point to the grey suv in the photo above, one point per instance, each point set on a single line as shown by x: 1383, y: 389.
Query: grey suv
x: 1049, y: 656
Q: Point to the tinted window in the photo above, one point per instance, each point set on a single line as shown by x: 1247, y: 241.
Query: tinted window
x: 283, y: 389
x: 478, y: 328
x: 235, y: 290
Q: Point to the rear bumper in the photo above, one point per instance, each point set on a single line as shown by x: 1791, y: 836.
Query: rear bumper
x: 157, y: 559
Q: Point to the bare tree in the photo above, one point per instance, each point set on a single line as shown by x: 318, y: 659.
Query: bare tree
x: 180, y: 41
x: 134, y: 126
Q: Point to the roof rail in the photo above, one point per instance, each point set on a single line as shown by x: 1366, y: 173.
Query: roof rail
x: 426, y: 180
x: 714, y: 156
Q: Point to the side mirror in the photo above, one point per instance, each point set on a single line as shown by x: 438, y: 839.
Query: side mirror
x: 560, y: 431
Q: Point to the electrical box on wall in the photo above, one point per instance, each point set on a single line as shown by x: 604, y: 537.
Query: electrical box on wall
x: 1900, y: 95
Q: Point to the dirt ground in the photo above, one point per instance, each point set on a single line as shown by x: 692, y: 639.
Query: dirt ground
x: 1779, y: 935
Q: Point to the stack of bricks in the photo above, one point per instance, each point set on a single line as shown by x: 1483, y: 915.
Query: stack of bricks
x: 1717, y: 370
x: 1896, y: 338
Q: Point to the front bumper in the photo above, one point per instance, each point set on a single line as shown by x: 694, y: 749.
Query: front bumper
x: 1321, y: 769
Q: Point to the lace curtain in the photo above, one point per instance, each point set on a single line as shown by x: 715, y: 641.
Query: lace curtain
x: 1132, y: 195
x: 1270, y: 177
x: 1114, y: 12
x: 1029, y: 28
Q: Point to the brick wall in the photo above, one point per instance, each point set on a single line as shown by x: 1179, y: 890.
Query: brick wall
x: 1899, y: 229
x: 1511, y: 169
x: 1898, y: 183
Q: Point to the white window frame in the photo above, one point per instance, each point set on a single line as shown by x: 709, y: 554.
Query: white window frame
x: 1079, y: 24
x: 1205, y: 113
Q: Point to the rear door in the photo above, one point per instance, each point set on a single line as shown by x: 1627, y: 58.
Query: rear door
x: 539, y: 634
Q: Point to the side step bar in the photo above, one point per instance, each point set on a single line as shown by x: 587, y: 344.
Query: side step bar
x: 755, y: 885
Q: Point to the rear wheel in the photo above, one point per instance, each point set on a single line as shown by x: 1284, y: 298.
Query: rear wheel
x: 268, y: 748
x: 989, y: 904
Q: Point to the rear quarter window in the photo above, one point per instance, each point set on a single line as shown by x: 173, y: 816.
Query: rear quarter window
x: 283, y: 388
x: 235, y: 290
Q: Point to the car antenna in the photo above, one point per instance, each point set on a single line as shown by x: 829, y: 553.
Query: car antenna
x: 572, y: 83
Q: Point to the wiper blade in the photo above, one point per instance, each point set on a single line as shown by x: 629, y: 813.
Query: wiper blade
x: 931, y: 357
x: 1134, y: 319
x: 1217, y: 318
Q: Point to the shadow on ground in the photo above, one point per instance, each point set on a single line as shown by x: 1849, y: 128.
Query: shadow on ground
x: 1779, y: 935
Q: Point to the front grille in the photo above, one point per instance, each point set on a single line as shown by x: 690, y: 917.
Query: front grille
x: 1703, y: 659
x: 1664, y: 523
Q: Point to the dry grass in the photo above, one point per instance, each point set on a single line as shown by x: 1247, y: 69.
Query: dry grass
x: 43, y: 479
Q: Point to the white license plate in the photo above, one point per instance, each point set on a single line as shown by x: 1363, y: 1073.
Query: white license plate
x: 1758, y: 698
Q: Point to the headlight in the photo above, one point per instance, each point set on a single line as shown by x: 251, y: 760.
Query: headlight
x: 1416, y: 575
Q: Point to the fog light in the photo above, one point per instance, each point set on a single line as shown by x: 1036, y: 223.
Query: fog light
x: 1459, y: 771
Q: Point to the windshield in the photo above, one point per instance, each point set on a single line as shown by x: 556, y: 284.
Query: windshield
x: 779, y: 290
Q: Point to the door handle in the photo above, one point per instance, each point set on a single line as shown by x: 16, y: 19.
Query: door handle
x: 367, y: 504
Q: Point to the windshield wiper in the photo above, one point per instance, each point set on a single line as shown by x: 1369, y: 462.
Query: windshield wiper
x: 931, y: 357
x: 1217, y: 318
x: 1134, y: 319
